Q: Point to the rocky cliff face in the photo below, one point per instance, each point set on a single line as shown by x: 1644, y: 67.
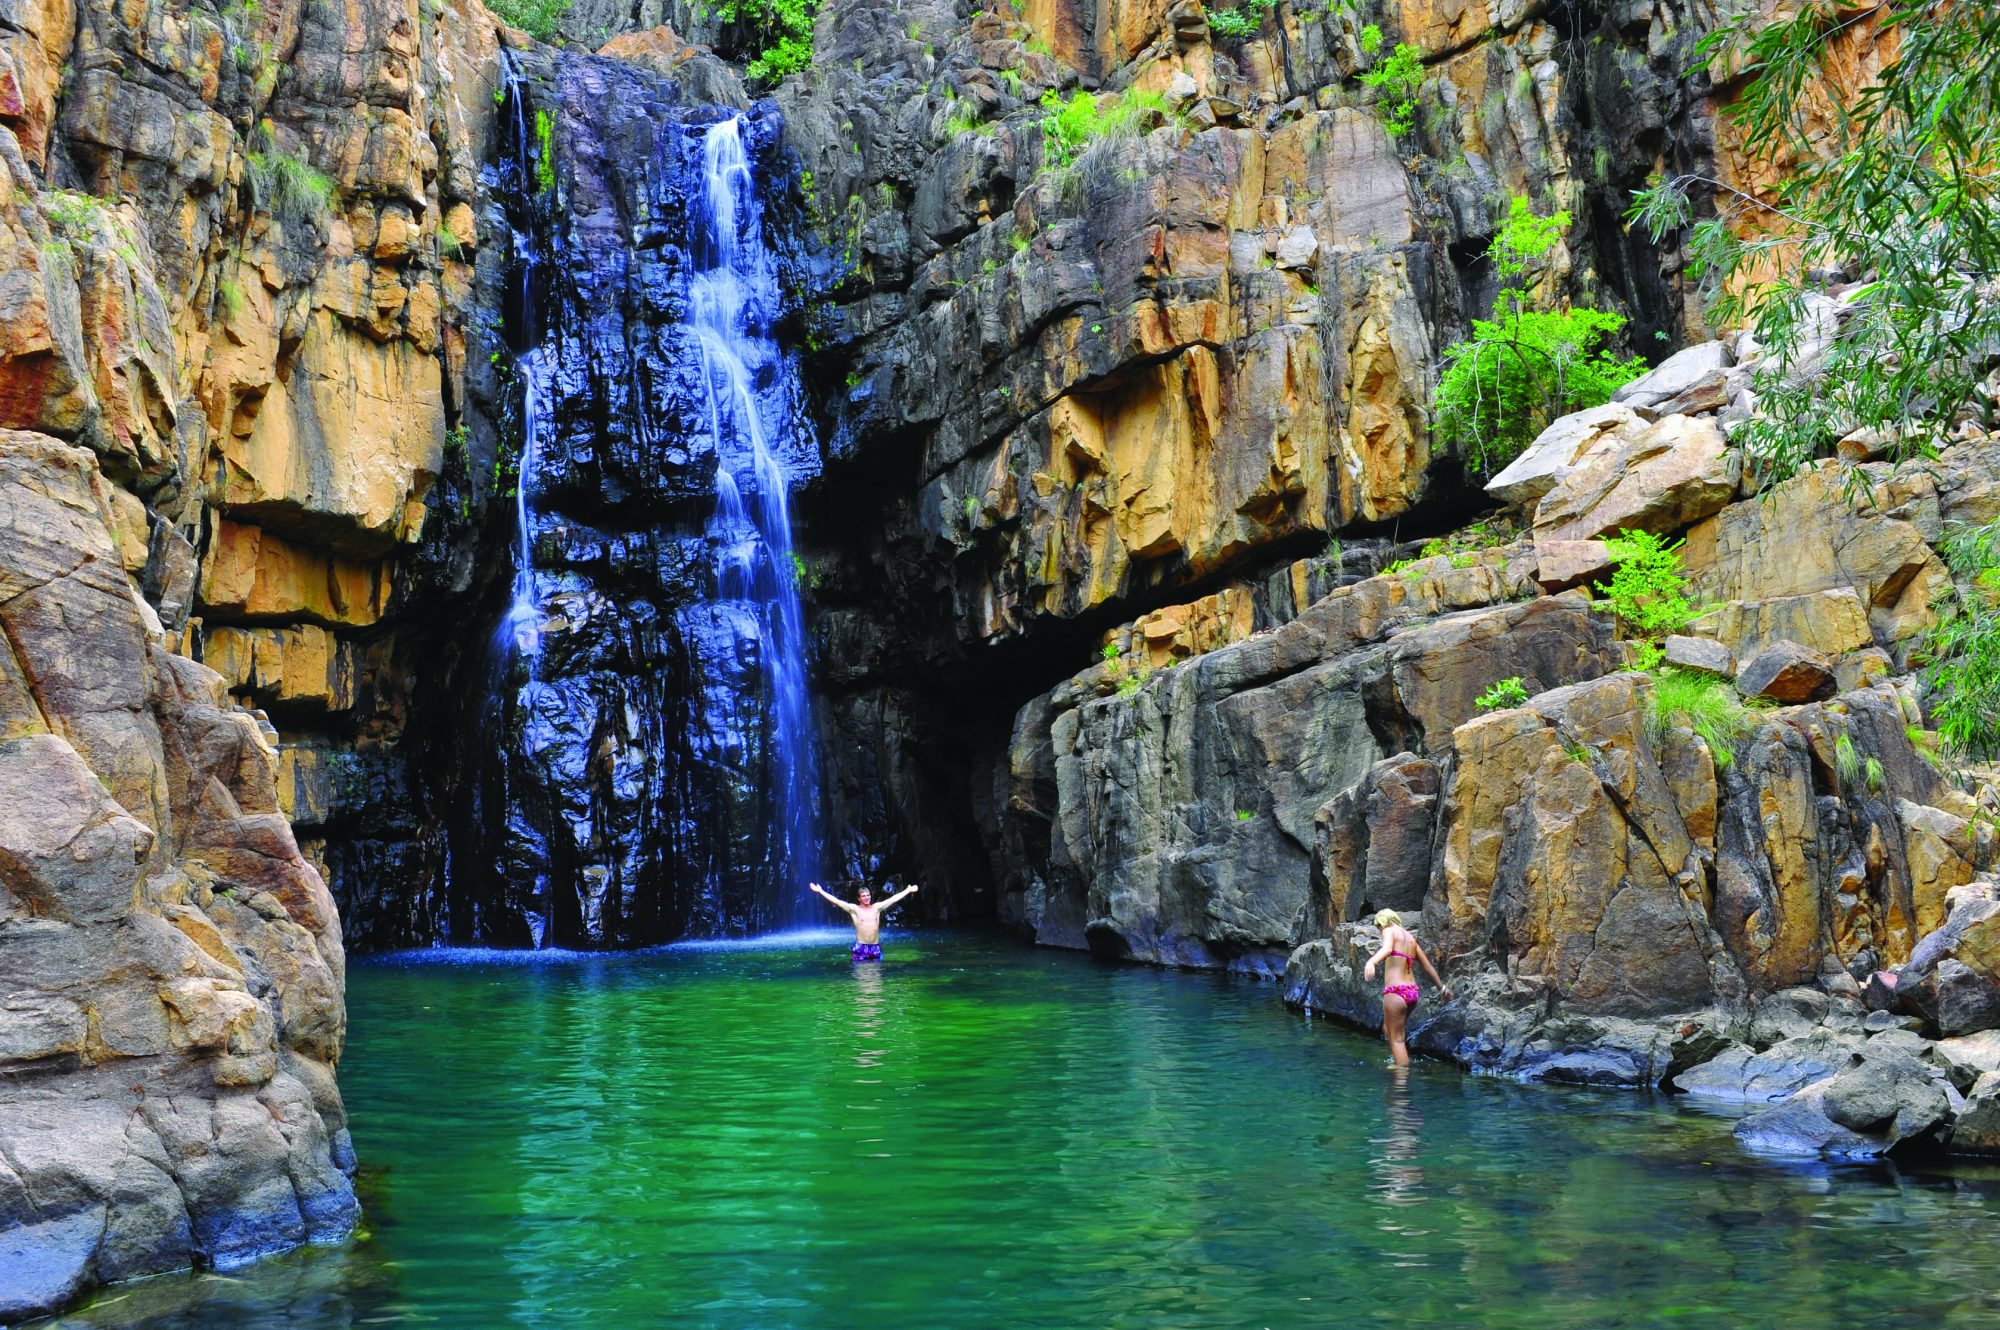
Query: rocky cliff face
x: 1074, y: 393
x: 238, y: 276
x: 172, y: 964
x: 242, y: 274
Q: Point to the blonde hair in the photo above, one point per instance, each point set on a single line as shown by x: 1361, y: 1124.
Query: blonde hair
x: 1384, y: 918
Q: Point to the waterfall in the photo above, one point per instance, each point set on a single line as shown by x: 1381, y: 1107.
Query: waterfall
x: 522, y: 627
x: 648, y: 768
x: 521, y: 630
x: 733, y: 298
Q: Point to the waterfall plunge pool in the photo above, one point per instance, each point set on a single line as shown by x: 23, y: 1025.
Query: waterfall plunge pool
x: 977, y: 1134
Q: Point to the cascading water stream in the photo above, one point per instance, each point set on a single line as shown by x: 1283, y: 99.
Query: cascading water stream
x: 523, y: 625
x: 733, y: 299
x: 652, y: 772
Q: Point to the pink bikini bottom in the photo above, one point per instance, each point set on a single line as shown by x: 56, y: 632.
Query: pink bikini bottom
x: 1407, y: 992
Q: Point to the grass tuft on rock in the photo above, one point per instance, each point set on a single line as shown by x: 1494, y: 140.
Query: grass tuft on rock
x: 289, y: 187
x: 1707, y: 705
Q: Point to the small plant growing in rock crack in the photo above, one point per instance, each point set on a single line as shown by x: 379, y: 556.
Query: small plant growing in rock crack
x: 73, y: 212
x: 545, y: 152
x: 1244, y: 814
x: 1133, y: 682
x: 806, y: 575
x: 1961, y: 650
x: 1579, y: 753
x: 1647, y: 590
x: 1396, y: 82
x: 957, y: 118
x: 1872, y: 769
x: 1503, y: 695
x: 1707, y: 705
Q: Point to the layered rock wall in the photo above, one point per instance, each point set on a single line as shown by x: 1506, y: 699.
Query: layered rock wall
x: 1071, y: 394
x: 236, y: 466
x: 171, y: 966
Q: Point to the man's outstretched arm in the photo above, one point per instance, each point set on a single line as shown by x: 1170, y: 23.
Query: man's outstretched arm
x: 899, y: 895
x: 829, y: 897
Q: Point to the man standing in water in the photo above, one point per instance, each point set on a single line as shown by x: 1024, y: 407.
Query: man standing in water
x: 867, y: 917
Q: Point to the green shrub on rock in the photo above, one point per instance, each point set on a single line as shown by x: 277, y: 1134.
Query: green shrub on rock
x: 1503, y: 695
x: 1243, y: 22
x: 781, y: 31
x: 1071, y: 126
x: 540, y: 19
x: 1396, y: 81
x: 1647, y: 590
x: 1961, y: 650
x: 288, y: 187
x: 1525, y: 366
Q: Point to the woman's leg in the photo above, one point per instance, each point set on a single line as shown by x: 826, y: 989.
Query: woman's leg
x: 1394, y: 1012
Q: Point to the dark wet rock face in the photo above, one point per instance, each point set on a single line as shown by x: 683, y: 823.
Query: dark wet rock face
x: 634, y: 777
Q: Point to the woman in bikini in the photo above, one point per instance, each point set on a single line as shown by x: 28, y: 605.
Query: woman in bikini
x: 1398, y: 956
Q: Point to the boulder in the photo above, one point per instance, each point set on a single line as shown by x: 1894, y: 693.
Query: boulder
x: 1788, y: 674
x: 1679, y: 373
x: 1976, y: 1130
x: 1325, y: 976
x: 1886, y: 1093
x: 1740, y: 1075
x: 1559, y: 448
x: 1968, y: 1057
x: 1953, y: 976
x: 1798, y: 1129
x: 1562, y: 564
x: 1699, y: 655
x: 1791, y: 1013
x: 1673, y: 472
x: 1832, y: 622
x: 1880, y: 1101
x: 1863, y: 669
x: 1566, y: 857
x: 1815, y: 533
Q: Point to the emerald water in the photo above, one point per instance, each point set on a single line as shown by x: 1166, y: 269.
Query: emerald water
x: 980, y: 1135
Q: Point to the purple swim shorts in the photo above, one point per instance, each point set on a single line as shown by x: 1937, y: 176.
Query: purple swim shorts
x: 867, y: 951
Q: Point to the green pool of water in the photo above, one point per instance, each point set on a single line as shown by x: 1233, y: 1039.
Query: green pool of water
x: 980, y: 1135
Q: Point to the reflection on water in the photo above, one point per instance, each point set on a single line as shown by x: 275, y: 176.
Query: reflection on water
x: 1399, y: 1177
x: 975, y: 1135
